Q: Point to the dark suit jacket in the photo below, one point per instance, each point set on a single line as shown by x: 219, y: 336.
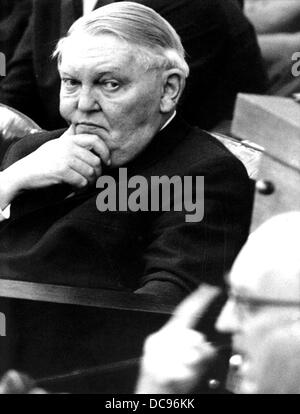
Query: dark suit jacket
x: 221, y: 48
x: 14, y: 16
x: 68, y: 241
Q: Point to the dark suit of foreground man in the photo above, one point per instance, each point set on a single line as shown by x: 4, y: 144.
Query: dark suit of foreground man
x: 221, y: 47
x: 123, y: 72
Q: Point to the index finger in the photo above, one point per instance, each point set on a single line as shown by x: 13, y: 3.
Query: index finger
x: 70, y: 131
x: 193, y: 308
x: 96, y: 144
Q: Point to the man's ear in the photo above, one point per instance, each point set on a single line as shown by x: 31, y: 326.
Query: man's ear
x: 172, y: 88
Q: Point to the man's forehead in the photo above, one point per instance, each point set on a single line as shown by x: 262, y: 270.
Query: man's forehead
x: 262, y: 271
x: 103, y: 48
x: 75, y: 67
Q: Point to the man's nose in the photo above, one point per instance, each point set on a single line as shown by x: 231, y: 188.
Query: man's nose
x: 86, y: 101
x: 228, y: 321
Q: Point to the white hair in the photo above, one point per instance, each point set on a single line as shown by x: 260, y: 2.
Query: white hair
x: 160, y: 45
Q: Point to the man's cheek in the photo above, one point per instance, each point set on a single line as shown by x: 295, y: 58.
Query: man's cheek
x: 134, y: 109
x: 140, y: 114
x: 66, y: 109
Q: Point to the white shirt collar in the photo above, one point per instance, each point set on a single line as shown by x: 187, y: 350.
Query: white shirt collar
x: 168, y: 121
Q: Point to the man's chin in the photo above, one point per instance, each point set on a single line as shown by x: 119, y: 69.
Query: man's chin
x: 247, y: 386
x: 242, y: 374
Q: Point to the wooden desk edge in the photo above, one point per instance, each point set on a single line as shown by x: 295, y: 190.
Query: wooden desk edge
x: 99, y: 298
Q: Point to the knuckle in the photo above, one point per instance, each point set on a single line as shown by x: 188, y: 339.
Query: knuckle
x: 90, y: 171
x: 97, y: 162
x: 83, y: 182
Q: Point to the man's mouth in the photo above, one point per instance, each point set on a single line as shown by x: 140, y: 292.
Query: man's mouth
x: 88, y: 124
x: 239, y: 355
x: 82, y: 127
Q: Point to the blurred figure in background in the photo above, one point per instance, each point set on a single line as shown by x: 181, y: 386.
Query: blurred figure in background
x: 220, y: 43
x: 264, y: 287
x: 262, y: 313
x: 264, y: 295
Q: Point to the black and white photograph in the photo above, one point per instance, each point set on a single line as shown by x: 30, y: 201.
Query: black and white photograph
x: 149, y: 199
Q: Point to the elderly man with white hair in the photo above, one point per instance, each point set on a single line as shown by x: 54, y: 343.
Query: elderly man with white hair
x: 122, y: 71
x: 219, y: 40
x: 262, y: 313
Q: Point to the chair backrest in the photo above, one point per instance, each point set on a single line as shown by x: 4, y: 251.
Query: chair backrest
x: 247, y: 152
x: 274, y: 124
x: 14, y: 125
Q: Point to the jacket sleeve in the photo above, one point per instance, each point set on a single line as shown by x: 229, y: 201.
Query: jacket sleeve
x: 182, y: 255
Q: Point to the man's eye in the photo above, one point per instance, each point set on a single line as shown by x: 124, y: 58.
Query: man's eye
x: 111, y: 85
x: 69, y: 83
x: 251, y: 308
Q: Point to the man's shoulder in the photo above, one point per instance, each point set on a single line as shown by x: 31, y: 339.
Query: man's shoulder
x: 28, y: 144
x: 203, y: 149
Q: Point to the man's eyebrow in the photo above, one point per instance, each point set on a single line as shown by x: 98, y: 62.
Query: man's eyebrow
x: 67, y: 72
x: 63, y: 73
x: 108, y: 70
x: 237, y: 289
x: 95, y: 74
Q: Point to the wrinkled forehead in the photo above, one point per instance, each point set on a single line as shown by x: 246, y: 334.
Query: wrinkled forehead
x: 103, y: 47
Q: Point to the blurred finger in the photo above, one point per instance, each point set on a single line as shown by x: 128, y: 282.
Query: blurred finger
x: 193, y: 308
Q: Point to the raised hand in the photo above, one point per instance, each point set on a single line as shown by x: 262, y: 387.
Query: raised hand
x: 177, y: 357
x: 72, y: 159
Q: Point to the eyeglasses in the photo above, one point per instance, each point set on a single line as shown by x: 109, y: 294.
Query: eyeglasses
x: 247, y: 305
